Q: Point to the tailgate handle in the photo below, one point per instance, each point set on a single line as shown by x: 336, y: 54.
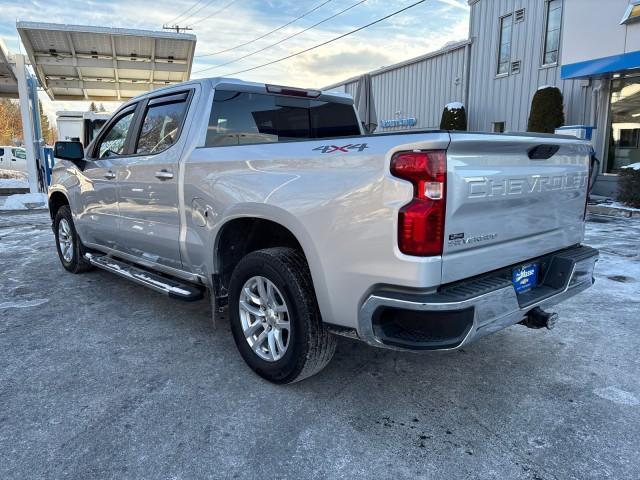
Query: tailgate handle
x: 543, y: 152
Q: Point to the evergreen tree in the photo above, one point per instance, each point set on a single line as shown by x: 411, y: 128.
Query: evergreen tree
x: 454, y: 117
x: 92, y: 107
x: 47, y: 133
x: 547, y: 111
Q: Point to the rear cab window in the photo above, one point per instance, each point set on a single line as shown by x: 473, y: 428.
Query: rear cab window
x: 243, y: 118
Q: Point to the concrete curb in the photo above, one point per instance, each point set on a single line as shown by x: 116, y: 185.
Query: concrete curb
x: 5, y: 192
x: 613, y: 211
x: 23, y: 212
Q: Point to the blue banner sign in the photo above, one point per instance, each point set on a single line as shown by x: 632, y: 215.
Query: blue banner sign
x: 399, y: 122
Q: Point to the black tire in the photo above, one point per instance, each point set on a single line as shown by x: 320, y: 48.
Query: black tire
x: 310, y: 345
x: 76, y: 263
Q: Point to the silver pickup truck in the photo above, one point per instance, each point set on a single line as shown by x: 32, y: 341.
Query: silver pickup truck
x: 272, y: 202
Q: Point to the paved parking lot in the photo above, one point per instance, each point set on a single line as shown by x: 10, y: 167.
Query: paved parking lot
x: 100, y: 378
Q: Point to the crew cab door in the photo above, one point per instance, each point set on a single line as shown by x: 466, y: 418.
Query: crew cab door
x: 97, y: 216
x: 149, y: 223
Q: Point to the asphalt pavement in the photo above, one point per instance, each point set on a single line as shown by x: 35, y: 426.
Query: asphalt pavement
x: 101, y: 378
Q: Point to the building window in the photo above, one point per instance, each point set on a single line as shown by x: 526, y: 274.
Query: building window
x: 624, y: 124
x: 498, y: 127
x: 504, y: 48
x: 552, y: 32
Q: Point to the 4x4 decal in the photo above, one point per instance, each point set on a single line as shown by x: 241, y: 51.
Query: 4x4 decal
x: 341, y: 148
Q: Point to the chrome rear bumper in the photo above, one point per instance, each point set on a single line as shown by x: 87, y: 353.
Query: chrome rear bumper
x: 480, y: 306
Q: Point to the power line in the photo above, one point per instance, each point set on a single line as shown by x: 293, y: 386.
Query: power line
x: 283, y: 40
x: 329, y: 41
x: 214, y: 13
x: 266, y: 34
x: 175, y: 19
x: 202, y: 7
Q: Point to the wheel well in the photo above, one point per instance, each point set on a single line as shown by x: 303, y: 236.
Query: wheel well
x: 242, y: 236
x: 56, y: 200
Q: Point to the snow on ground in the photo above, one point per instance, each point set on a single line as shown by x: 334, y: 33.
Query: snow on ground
x: 25, y: 201
x: 622, y: 206
x: 635, y: 166
x: 102, y: 376
x: 13, y: 183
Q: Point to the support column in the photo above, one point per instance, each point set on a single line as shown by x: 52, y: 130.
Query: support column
x: 27, y: 130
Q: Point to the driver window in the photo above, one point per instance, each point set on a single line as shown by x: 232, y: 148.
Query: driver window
x: 161, y: 126
x: 114, y: 140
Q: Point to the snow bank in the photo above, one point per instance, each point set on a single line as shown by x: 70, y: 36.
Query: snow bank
x: 546, y: 86
x: 13, y: 183
x: 25, y: 201
x: 454, y: 106
x: 635, y: 166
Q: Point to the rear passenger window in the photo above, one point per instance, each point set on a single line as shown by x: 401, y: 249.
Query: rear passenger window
x: 161, y: 125
x: 239, y: 118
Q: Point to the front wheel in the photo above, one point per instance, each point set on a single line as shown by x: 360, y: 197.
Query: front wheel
x: 275, y: 319
x: 70, y: 249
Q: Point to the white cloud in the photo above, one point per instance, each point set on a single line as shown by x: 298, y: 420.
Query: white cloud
x: 422, y: 29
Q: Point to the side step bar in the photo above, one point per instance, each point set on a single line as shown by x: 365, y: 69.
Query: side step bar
x: 169, y: 286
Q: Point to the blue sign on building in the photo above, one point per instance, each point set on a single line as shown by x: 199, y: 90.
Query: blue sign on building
x: 399, y: 122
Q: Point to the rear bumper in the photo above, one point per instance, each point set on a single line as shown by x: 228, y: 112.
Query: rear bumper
x: 460, y: 313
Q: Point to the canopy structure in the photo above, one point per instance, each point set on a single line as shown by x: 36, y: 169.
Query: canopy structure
x: 8, y: 80
x: 75, y: 62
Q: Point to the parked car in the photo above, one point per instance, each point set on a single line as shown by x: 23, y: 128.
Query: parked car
x: 13, y: 158
x: 271, y: 200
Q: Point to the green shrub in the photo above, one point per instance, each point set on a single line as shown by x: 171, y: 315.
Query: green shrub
x: 547, y: 111
x: 454, y: 117
x: 629, y: 187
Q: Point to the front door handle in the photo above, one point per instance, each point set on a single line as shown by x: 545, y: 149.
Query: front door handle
x: 164, y: 174
x: 109, y: 175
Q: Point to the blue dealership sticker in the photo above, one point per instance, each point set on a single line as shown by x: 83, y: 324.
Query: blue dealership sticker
x: 525, y: 277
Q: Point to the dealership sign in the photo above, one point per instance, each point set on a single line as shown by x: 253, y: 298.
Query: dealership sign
x: 399, y: 122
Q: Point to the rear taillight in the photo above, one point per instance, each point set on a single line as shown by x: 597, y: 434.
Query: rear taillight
x: 421, y: 221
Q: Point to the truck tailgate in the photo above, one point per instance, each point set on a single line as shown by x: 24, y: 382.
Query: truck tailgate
x: 511, y: 198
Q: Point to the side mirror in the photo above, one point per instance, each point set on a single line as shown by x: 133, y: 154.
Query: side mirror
x: 72, y: 151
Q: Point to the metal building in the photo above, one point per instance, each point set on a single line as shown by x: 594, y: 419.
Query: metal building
x: 514, y: 48
x: 412, y: 94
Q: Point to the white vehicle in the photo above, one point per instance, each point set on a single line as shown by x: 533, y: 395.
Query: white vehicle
x: 80, y: 126
x: 13, y: 158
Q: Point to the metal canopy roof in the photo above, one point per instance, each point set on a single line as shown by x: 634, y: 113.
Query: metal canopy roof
x: 8, y: 81
x: 96, y: 63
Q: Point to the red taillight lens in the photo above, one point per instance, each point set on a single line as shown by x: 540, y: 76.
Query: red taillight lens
x: 421, y: 221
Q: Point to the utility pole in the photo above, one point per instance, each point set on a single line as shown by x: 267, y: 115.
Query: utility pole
x: 177, y: 28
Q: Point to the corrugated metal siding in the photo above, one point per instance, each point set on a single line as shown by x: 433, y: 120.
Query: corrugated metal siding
x: 508, y: 99
x: 419, y: 90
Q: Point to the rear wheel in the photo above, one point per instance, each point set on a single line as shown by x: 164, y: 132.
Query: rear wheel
x: 274, y: 315
x: 70, y: 249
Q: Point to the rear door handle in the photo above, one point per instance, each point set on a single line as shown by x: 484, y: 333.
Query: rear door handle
x: 109, y: 175
x: 164, y: 174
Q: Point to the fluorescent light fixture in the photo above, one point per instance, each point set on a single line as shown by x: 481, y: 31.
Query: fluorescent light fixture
x: 632, y: 14
x: 635, y: 115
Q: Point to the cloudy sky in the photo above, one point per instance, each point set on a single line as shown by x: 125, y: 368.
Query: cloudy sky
x: 422, y: 29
